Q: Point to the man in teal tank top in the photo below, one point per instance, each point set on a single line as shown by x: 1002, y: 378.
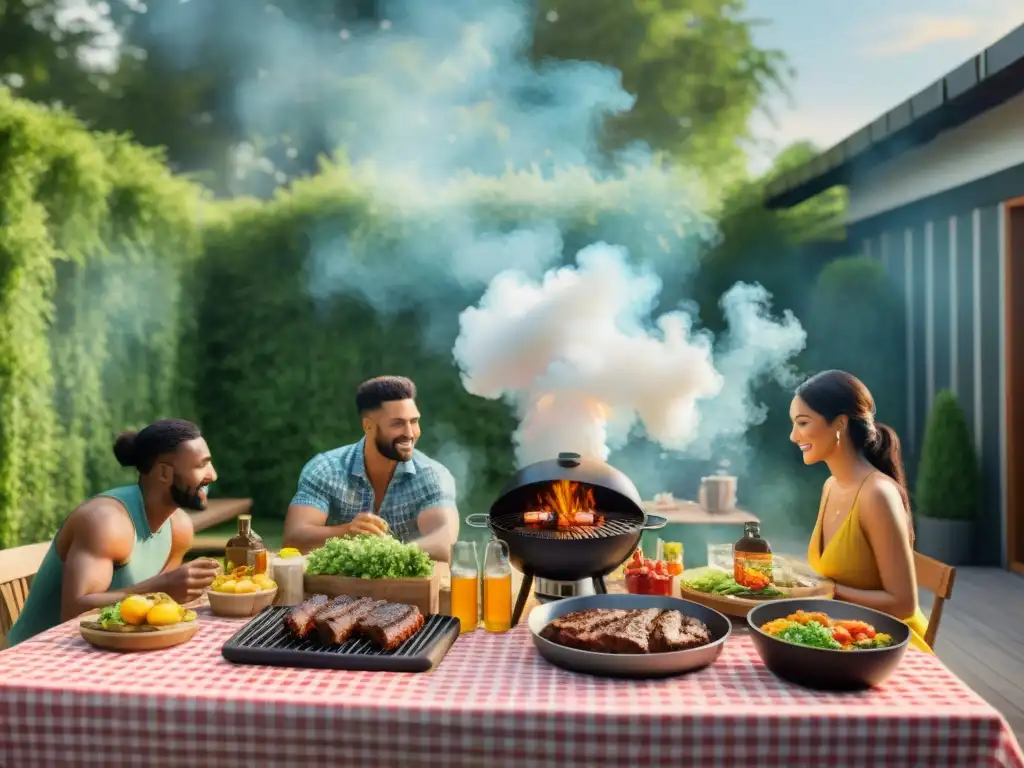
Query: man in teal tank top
x: 130, y: 539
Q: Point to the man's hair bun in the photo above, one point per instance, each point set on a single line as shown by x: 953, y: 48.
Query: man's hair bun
x: 124, y: 448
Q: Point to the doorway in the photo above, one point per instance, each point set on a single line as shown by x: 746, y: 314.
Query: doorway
x: 1014, y: 353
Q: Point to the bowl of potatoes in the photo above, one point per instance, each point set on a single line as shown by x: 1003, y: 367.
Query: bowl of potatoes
x: 241, y: 593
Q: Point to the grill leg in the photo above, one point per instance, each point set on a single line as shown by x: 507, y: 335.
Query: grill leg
x: 599, y: 587
x: 524, y: 594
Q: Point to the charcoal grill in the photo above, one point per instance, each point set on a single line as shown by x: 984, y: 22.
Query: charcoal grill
x: 266, y: 641
x: 571, y: 553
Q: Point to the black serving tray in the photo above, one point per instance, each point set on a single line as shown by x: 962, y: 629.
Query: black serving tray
x: 266, y: 641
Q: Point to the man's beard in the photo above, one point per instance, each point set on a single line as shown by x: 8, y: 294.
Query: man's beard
x: 187, y: 498
x: 391, y: 451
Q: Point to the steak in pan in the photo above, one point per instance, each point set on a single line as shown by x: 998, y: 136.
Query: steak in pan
x: 607, y: 630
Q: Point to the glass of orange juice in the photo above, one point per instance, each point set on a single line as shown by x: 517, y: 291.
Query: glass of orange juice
x: 497, y: 587
x: 465, y: 585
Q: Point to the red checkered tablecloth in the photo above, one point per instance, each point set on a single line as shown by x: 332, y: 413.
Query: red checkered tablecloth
x: 492, y: 702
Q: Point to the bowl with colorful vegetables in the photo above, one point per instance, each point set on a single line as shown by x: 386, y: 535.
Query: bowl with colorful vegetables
x: 827, y: 644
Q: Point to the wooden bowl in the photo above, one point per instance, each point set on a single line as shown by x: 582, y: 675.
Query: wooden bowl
x: 140, y: 641
x: 240, y: 606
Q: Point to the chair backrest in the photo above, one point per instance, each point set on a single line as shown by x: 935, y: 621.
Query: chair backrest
x: 938, y: 579
x: 18, y: 566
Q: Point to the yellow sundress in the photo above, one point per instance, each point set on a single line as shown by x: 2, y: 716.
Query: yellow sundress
x: 849, y: 560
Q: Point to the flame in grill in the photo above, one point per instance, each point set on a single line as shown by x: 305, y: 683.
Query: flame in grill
x: 564, y: 504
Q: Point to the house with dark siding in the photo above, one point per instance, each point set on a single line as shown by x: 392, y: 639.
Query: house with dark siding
x: 936, y: 194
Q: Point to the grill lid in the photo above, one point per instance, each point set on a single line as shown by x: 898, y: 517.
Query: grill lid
x: 574, y: 468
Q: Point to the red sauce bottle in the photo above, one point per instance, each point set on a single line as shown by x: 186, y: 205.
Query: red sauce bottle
x: 752, y: 559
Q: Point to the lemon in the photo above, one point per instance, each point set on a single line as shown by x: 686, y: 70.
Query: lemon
x: 289, y: 552
x: 134, y: 609
x: 165, y: 613
x: 263, y: 581
x: 226, y: 586
x: 246, y: 585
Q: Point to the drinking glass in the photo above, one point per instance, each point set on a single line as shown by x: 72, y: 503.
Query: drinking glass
x: 497, y: 587
x: 465, y: 585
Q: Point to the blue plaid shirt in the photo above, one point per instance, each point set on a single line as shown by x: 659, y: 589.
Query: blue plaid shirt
x: 335, y: 482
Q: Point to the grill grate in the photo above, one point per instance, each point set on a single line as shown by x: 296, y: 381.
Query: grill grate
x: 512, y: 522
x: 266, y: 641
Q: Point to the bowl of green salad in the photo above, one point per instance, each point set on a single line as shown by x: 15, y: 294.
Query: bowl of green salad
x: 828, y: 644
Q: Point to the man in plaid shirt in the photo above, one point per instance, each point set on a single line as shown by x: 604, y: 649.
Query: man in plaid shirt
x: 379, y: 485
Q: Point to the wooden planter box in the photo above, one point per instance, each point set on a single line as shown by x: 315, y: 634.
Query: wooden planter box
x: 423, y: 593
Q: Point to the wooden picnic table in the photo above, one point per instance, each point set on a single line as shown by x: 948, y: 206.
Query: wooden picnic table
x: 684, y: 512
x: 695, y: 528
x: 217, y: 511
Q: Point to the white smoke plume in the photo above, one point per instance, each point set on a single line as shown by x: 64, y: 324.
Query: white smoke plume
x: 579, y: 356
x: 487, y: 168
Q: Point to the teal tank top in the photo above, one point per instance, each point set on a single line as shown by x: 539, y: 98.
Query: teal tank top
x: 148, y: 558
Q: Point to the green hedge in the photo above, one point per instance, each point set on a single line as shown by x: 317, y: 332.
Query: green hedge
x: 94, y: 232
x: 278, y: 364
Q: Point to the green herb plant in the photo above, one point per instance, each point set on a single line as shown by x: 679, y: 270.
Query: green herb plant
x: 369, y: 557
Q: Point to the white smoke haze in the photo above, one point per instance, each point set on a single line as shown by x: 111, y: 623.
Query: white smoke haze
x: 582, y: 360
x: 442, y: 118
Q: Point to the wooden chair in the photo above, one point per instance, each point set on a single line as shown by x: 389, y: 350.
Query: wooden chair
x: 938, y: 579
x: 18, y: 566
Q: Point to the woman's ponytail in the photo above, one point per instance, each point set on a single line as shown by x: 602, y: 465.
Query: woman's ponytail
x: 882, y: 449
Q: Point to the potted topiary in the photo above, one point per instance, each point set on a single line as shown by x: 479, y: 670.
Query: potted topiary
x: 948, y: 485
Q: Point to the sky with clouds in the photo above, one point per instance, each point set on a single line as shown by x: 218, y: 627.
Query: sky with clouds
x: 855, y: 60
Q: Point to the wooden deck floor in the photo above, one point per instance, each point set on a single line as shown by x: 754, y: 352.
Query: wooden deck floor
x: 981, y: 637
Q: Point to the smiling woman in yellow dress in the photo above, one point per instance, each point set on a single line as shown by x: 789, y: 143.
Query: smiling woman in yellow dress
x: 864, y: 538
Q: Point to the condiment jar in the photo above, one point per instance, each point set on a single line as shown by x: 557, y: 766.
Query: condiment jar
x: 289, y: 573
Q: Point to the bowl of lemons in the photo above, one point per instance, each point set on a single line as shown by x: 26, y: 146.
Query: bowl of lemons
x: 241, y: 593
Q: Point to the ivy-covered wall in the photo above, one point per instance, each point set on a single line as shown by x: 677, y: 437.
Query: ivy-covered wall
x: 95, y: 233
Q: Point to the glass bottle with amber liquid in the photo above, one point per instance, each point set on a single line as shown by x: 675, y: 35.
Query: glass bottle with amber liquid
x: 497, y: 587
x: 247, y: 548
x: 752, y: 559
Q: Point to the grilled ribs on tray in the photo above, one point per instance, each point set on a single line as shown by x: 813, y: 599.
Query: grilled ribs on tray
x: 613, y: 630
x: 385, y: 624
x: 300, y: 619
